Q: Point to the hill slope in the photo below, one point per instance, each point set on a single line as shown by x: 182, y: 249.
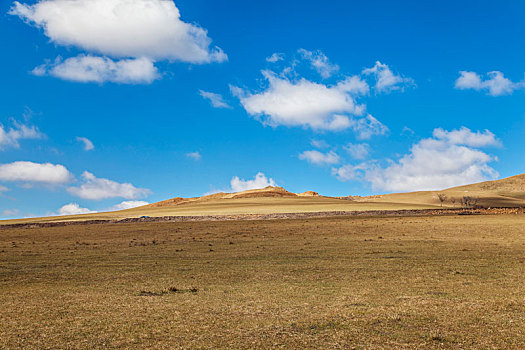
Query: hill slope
x: 509, y: 192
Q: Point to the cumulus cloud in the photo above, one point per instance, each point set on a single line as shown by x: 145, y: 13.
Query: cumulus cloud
x: 288, y: 99
x: 319, y: 158
x: 122, y: 28
x: 350, y: 172
x: 468, y: 80
x: 146, y: 30
x: 216, y: 100
x: 194, y: 155
x: 354, y: 85
x: 449, y: 158
x: 464, y: 136
x: 94, y: 69
x: 11, y: 137
x: 319, y: 62
x: 357, y: 150
x: 367, y: 127
x: 128, y: 205
x: 495, y: 84
x: 45, y: 173
x: 88, y: 145
x: 302, y: 103
x: 276, y: 57
x: 73, y: 209
x: 94, y: 188
x: 386, y: 80
x: 260, y: 181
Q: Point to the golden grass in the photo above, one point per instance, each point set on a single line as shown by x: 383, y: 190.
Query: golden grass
x: 233, y: 206
x: 346, y: 282
x: 508, y: 192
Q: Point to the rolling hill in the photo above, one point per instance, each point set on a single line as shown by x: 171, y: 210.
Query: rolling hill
x: 509, y: 192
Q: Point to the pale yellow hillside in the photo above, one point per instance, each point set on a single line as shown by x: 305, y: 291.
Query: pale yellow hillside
x: 508, y: 192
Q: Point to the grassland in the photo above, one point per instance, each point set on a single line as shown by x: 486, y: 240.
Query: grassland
x: 508, y: 192
x: 345, y: 282
x: 235, y: 206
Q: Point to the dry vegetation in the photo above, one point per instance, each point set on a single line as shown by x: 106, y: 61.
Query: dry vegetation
x: 232, y: 206
x: 505, y: 193
x: 362, y: 282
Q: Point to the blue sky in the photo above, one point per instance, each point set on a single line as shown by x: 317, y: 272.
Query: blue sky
x: 363, y: 97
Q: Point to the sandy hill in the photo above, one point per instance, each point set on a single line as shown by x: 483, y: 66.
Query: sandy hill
x: 510, y: 186
x: 268, y: 192
x: 508, y: 192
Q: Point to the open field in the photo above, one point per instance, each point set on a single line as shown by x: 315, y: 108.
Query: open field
x: 362, y: 282
x: 234, y: 206
x: 505, y: 193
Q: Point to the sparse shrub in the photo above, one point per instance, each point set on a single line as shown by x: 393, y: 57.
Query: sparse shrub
x: 442, y: 198
x: 470, y: 202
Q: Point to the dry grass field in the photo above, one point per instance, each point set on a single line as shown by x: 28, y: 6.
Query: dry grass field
x: 345, y: 282
x: 234, y: 206
x: 509, y: 192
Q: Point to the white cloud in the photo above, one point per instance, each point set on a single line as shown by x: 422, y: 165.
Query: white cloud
x: 128, y: 205
x: 354, y: 85
x: 88, y: 145
x: 216, y: 100
x: 122, y: 28
x: 301, y: 103
x: 276, y: 57
x: 3, y: 189
x: 287, y: 99
x: 35, y: 172
x: 386, y: 80
x: 367, y: 127
x: 319, y: 158
x: 468, y: 80
x: 260, y: 181
x: 137, y: 33
x: 319, y: 144
x: 11, y: 137
x: 94, y: 69
x: 495, y: 85
x: 194, y: 155
x: 464, y: 136
x: 319, y: 62
x: 358, y: 150
x: 73, y: 209
x: 350, y: 172
x: 448, y: 159
x: 97, y: 188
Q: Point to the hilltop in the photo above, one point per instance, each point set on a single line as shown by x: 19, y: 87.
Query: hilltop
x: 509, y: 192
x: 270, y: 191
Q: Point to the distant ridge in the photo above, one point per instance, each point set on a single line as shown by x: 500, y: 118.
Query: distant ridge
x: 507, y: 192
x: 513, y: 184
x: 504, y: 193
x: 268, y: 192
